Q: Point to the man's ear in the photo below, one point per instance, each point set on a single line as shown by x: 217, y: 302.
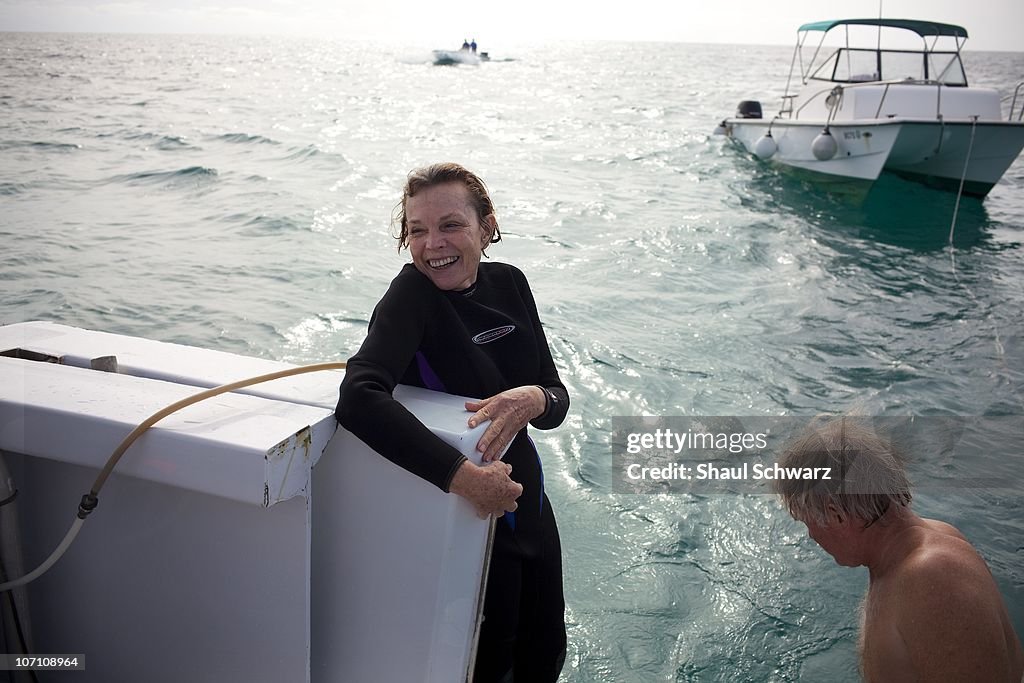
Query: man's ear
x: 835, y: 515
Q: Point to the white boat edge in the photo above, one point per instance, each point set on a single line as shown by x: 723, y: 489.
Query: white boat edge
x: 243, y: 534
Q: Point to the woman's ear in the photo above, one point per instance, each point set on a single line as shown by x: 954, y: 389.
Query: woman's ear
x: 489, y: 226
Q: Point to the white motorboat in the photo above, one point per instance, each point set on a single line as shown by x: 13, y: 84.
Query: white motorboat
x: 446, y: 57
x: 872, y: 107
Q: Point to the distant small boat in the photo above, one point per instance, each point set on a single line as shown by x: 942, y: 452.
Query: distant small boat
x: 447, y: 57
x: 865, y: 109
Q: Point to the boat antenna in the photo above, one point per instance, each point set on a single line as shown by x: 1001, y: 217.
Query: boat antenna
x: 879, y: 43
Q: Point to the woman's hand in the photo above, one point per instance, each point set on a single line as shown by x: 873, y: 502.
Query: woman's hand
x: 489, y: 487
x: 508, y: 412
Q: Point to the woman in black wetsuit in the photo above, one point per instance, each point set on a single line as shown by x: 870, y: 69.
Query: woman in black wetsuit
x: 451, y: 323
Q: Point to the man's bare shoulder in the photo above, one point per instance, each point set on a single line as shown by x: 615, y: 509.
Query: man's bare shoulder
x: 948, y: 609
x: 936, y: 551
x: 941, y: 575
x: 943, y: 528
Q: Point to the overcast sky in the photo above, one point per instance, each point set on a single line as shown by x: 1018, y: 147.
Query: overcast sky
x: 992, y: 24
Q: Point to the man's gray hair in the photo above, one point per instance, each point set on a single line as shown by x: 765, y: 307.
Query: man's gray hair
x: 867, y: 475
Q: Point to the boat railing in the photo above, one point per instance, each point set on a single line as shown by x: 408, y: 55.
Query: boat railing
x: 796, y: 114
x: 787, y: 106
x: 938, y: 95
x: 1013, y: 103
x: 881, y: 102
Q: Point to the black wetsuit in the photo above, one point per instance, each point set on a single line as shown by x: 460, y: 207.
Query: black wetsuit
x: 477, y: 343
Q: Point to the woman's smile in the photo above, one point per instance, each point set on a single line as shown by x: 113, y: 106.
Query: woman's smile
x: 440, y: 263
x: 446, y: 238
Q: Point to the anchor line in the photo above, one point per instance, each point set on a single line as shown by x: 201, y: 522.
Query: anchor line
x: 963, y: 177
x: 1000, y: 350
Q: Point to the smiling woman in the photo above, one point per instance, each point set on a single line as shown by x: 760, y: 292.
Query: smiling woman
x: 447, y: 226
x: 450, y: 323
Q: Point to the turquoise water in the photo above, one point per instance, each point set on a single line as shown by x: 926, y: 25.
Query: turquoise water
x: 235, y: 193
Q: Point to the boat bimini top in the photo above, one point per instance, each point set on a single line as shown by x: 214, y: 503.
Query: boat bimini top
x: 921, y: 28
x: 859, y: 63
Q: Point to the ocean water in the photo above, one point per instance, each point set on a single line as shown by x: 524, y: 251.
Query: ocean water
x: 235, y: 193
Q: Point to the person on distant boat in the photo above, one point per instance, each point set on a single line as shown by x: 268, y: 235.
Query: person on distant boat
x: 465, y: 44
x: 472, y: 46
x: 451, y: 323
x: 932, y: 612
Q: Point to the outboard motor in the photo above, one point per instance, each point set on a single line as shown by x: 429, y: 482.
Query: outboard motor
x: 749, y: 109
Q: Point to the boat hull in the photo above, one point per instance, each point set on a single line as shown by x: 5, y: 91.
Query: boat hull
x: 451, y: 57
x: 930, y: 151
x: 940, y: 154
x: 862, y: 150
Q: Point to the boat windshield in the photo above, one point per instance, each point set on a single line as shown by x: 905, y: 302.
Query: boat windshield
x: 853, y: 65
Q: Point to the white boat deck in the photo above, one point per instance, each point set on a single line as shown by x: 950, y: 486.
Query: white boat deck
x: 244, y: 538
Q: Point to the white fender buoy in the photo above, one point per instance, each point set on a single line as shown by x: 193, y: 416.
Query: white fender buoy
x: 824, y: 146
x: 765, y: 146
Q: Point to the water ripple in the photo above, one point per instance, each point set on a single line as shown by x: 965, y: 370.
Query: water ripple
x: 237, y: 194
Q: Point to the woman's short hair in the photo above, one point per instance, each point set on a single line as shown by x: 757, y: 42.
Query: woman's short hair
x: 867, y: 475
x: 439, y: 174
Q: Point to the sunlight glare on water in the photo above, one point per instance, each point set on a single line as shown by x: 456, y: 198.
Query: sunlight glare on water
x: 236, y: 193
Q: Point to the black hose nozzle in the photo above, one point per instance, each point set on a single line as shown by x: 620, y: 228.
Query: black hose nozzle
x: 88, y: 504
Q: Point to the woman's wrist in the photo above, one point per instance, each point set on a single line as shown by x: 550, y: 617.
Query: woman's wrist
x: 457, y: 469
x: 546, y: 406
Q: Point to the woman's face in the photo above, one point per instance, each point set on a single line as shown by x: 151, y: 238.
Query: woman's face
x: 445, y: 235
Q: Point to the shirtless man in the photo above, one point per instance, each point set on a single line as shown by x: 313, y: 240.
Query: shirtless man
x: 933, y: 611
